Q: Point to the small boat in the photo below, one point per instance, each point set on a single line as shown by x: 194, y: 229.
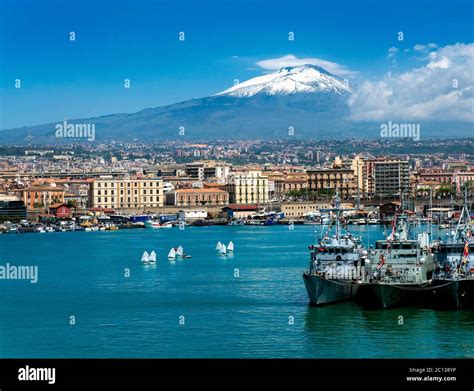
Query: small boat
x: 230, y: 246
x: 172, y: 254
x: 157, y: 224
x: 152, y: 257
x: 180, y: 253
x: 218, y: 246
x: 145, y: 257
x: 443, y: 226
x: 223, y: 251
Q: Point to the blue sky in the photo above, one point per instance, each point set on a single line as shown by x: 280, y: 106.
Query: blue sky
x: 224, y: 40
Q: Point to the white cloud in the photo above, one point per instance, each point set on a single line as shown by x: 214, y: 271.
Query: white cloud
x: 290, y: 60
x: 392, y: 52
x: 442, y: 89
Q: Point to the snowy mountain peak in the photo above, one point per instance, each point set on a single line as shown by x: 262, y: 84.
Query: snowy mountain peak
x: 291, y: 80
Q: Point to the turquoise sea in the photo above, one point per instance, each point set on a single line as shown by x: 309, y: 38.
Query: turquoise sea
x: 251, y: 304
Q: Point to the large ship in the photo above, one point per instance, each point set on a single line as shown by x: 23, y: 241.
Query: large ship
x: 404, y: 271
x: 455, y: 272
x: 337, y: 264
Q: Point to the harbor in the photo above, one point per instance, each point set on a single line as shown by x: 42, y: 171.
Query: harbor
x: 187, y: 307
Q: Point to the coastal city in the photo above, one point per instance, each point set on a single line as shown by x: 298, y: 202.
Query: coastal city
x: 119, y: 185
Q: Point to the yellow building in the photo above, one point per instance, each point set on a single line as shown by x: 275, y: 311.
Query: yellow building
x: 249, y: 187
x: 109, y: 192
x: 302, y: 209
x: 342, y: 179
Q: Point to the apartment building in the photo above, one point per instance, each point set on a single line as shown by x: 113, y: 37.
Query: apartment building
x: 386, y: 177
x: 117, y: 193
x: 248, y: 187
x: 330, y: 179
x: 194, y: 197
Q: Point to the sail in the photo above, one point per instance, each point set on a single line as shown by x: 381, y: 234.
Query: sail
x: 223, y: 249
x: 172, y: 253
x: 219, y: 245
x: 230, y: 246
x: 145, y: 257
x: 152, y: 257
x: 179, y: 251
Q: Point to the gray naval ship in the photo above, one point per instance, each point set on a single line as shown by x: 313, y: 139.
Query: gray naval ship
x: 402, y: 269
x: 337, y: 264
x: 454, y: 276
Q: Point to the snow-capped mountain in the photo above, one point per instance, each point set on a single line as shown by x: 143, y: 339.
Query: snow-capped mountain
x: 291, y: 80
x: 306, y: 99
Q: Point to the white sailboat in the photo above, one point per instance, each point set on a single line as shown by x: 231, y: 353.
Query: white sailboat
x: 152, y: 257
x: 218, y: 246
x: 172, y: 254
x: 223, y: 250
x: 145, y: 257
x: 179, y: 252
x: 230, y: 246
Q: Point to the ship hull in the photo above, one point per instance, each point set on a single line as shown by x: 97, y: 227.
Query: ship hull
x: 440, y: 294
x: 375, y: 295
x: 322, y: 291
x: 444, y: 295
x: 466, y: 293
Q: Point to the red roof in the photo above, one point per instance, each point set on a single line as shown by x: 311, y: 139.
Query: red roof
x: 57, y: 205
x: 241, y: 207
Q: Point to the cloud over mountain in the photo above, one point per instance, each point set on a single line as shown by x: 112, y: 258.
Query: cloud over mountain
x: 290, y: 60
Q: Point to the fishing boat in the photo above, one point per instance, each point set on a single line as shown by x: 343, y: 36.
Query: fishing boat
x: 230, y: 247
x: 152, y: 257
x: 145, y: 257
x: 337, y: 264
x: 172, y: 255
x: 158, y: 224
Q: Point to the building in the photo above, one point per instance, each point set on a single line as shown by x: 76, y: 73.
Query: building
x: 117, y: 193
x: 11, y: 208
x: 38, y: 197
x: 239, y: 211
x: 192, y: 214
x: 249, y: 187
x: 280, y: 184
x: 206, y: 170
x: 194, y: 197
x: 454, y: 180
x: 384, y: 177
x: 357, y: 165
x: 60, y: 210
x: 328, y: 180
x: 302, y: 209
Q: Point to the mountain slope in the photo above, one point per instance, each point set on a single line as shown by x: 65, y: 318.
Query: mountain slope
x: 307, y: 99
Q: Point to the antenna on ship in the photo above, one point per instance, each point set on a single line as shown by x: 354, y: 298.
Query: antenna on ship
x: 337, y: 208
x: 431, y: 214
